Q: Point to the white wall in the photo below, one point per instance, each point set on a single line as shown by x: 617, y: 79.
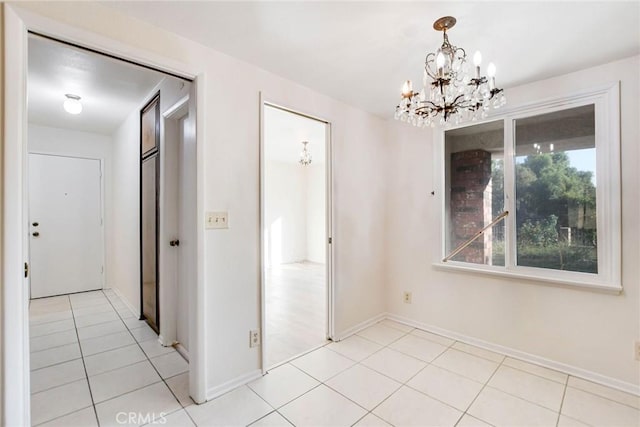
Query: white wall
x: 65, y: 142
x: 316, y: 213
x: 295, y: 213
x: 590, y: 330
x: 125, y: 252
x: 285, y: 213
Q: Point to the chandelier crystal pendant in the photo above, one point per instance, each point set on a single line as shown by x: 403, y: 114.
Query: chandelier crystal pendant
x: 305, y: 155
x: 449, y: 92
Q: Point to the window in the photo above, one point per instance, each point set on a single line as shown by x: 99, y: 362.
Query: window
x: 555, y: 176
x: 555, y: 169
x: 475, y: 179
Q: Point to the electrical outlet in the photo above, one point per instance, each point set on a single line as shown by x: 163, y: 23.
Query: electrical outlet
x: 254, y: 338
x: 637, y: 348
x: 406, y: 297
x: 216, y: 220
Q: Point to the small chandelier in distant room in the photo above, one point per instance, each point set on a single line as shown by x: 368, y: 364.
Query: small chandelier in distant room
x: 449, y: 92
x: 305, y: 155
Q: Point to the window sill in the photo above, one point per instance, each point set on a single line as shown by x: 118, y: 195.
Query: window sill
x: 528, y: 276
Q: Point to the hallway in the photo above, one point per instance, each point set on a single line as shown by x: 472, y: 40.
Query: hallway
x: 92, y: 360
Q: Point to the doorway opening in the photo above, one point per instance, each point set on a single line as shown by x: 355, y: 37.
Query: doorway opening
x: 296, y: 202
x: 93, y: 218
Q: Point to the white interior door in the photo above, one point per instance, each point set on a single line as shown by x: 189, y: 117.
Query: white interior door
x: 65, y: 218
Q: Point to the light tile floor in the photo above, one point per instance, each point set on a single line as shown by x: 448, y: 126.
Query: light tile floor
x: 388, y: 374
x: 93, y: 363
x: 296, y: 310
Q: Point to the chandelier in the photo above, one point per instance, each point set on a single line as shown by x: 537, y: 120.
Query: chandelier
x: 449, y: 92
x: 305, y: 155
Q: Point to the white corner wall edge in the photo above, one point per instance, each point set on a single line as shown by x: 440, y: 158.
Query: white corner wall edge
x: 360, y: 326
x: 223, y: 388
x: 527, y: 357
x: 125, y: 301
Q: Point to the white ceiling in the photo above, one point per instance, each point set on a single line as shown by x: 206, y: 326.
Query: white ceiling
x: 284, y: 133
x: 361, y: 52
x: 110, y: 89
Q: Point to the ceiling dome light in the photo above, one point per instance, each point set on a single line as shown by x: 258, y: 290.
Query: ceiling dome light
x: 72, y: 104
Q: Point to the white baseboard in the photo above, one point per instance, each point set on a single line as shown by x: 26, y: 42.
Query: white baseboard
x: 527, y: 357
x: 126, y: 302
x: 360, y: 326
x: 183, y: 351
x: 223, y: 388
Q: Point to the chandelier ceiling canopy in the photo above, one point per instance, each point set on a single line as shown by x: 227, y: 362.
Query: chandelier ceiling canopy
x: 450, y: 92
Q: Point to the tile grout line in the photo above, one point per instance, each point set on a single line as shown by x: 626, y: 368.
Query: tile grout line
x: 58, y: 385
x: 485, y: 385
x: 54, y: 347
x: 148, y: 359
x: 58, y: 363
x: 406, y: 383
x: 320, y: 383
x: 388, y: 346
x: 564, y: 393
x: 504, y: 357
x: 95, y: 411
x: 75, y: 330
x: 619, y: 402
x: 70, y: 382
x: 537, y: 375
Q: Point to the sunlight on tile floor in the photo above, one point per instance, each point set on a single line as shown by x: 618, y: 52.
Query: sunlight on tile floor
x: 92, y: 360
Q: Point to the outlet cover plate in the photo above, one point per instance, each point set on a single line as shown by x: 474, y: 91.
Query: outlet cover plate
x: 406, y: 297
x: 254, y: 338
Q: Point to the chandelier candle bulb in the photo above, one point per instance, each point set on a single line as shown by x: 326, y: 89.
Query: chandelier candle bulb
x: 491, y: 72
x: 440, y: 64
x: 407, y: 90
x: 477, y: 61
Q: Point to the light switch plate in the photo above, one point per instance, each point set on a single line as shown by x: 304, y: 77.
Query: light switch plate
x: 216, y: 220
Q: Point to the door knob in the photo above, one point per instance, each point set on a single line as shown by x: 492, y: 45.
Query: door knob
x: 35, y: 234
x: 174, y: 243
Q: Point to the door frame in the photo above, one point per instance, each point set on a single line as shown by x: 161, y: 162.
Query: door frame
x: 14, y: 369
x: 103, y: 241
x: 168, y: 292
x: 265, y: 101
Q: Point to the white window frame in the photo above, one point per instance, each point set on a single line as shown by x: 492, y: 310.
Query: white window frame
x: 606, y: 100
